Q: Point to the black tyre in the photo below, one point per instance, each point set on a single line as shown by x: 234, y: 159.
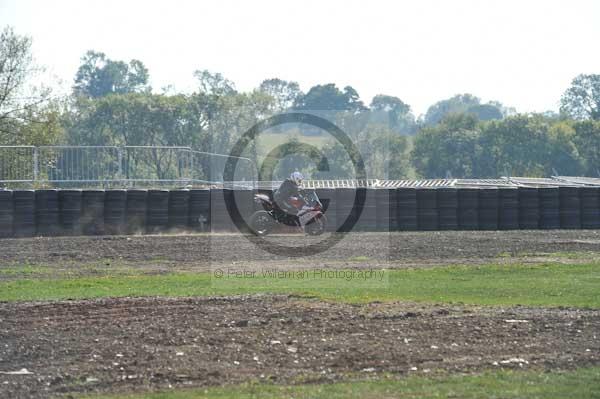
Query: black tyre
x: 316, y: 227
x: 261, y: 223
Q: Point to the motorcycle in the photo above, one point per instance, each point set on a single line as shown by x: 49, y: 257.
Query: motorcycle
x: 310, y: 217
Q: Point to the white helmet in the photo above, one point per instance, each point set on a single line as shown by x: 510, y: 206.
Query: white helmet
x: 297, y: 178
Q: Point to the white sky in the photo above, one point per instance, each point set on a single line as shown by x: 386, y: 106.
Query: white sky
x: 522, y: 53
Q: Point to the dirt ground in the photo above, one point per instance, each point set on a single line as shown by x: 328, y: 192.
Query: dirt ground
x: 124, y: 344
x: 200, y: 252
x: 112, y: 345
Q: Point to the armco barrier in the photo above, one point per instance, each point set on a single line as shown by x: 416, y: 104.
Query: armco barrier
x: 26, y: 213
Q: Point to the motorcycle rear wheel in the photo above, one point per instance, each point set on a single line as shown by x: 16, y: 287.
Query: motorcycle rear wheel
x: 261, y: 223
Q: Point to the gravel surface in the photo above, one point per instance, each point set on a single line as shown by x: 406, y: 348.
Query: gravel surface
x: 153, y: 343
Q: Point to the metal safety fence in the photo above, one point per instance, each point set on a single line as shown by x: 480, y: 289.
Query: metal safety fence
x: 114, y: 166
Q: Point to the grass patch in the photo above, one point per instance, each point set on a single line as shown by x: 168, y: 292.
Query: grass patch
x: 590, y: 256
x: 65, y: 270
x: 535, y: 285
x: 582, y: 383
x: 359, y: 259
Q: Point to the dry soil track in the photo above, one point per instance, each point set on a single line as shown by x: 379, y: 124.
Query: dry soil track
x: 123, y: 344
x: 397, y: 249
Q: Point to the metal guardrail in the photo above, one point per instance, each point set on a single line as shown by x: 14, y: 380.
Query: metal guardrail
x: 127, y: 166
x: 17, y: 164
x: 169, y: 166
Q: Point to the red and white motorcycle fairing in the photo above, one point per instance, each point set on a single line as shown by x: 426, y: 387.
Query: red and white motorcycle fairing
x: 306, y: 214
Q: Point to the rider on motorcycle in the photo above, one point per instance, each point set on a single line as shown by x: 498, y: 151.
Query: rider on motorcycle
x: 288, y: 189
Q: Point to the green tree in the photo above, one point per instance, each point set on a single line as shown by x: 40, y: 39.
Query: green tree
x: 563, y: 156
x: 464, y: 103
x: 582, y: 99
x: 214, y: 83
x: 22, y: 105
x: 329, y: 97
x: 398, y: 114
x: 139, y: 119
x: 384, y: 154
x: 284, y: 93
x: 587, y: 142
x: 99, y: 76
x: 449, y: 147
x: 518, y: 145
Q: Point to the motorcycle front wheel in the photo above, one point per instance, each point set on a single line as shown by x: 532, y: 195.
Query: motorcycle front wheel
x: 261, y: 223
x: 316, y: 227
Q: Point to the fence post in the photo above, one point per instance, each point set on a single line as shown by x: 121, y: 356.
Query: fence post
x: 35, y: 164
x: 120, y: 164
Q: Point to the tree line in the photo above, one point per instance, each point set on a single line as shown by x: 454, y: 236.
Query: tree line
x: 112, y: 103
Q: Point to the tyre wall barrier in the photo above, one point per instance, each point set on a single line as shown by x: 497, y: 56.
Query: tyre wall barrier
x: 157, y: 219
x: 508, y: 209
x: 199, y: 216
x: 549, y: 208
x: 590, y: 207
x: 115, y: 206
x: 384, y: 202
x: 6, y: 213
x: 26, y: 213
x: 136, y: 210
x: 70, y: 212
x: 489, y: 209
x: 529, y: 208
x: 47, y: 215
x: 92, y: 212
x: 427, y: 209
x: 468, y: 209
x: 447, y: 203
x: 407, y: 209
x: 368, y: 217
x: 179, y: 209
x: 344, y: 200
x: 570, y: 207
x: 219, y: 216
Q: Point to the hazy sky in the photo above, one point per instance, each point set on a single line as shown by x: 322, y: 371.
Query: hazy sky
x: 522, y: 53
